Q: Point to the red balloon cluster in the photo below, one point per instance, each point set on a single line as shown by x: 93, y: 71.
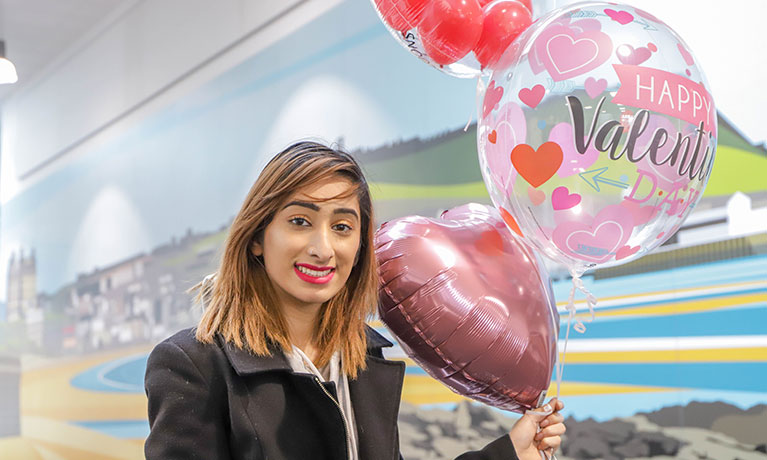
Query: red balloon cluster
x: 451, y: 29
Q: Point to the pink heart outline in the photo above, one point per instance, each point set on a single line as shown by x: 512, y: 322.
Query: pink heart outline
x: 568, y: 52
x: 562, y: 199
x: 597, y: 241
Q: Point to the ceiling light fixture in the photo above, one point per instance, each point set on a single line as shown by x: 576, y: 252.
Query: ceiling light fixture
x: 7, y: 69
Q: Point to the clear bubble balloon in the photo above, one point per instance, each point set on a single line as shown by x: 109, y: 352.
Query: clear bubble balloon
x: 596, y: 134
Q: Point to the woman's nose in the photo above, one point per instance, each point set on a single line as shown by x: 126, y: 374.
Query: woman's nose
x: 320, y: 245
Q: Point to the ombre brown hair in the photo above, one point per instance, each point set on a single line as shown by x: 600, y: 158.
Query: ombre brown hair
x: 240, y: 301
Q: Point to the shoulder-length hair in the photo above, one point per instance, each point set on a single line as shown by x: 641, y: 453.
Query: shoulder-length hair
x: 241, y: 304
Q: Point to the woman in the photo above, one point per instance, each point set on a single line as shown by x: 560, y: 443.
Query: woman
x: 281, y: 364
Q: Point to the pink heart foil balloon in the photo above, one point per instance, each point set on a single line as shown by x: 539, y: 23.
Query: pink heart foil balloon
x: 470, y: 304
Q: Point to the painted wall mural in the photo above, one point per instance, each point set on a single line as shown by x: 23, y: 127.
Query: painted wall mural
x: 96, y: 258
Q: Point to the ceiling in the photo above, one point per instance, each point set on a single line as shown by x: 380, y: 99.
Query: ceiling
x: 38, y: 33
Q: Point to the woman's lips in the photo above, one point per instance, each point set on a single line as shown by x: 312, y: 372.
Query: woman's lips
x: 314, y: 277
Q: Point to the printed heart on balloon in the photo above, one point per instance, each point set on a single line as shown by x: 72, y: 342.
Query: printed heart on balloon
x: 469, y: 303
x: 595, y: 87
x: 493, y: 95
x: 561, y: 199
x: 596, y: 241
x: 627, y: 54
x: 532, y: 96
x: 626, y: 251
x: 537, y: 166
x: 621, y: 17
x: 536, y: 196
x: 567, y: 52
x: 685, y: 54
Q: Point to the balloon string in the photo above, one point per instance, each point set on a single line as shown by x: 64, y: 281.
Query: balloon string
x: 559, y: 365
x: 591, y: 302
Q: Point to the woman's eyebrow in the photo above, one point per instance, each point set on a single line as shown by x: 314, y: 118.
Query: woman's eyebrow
x: 346, y: 211
x: 304, y: 204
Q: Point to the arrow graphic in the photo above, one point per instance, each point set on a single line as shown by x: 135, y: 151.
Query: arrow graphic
x: 594, y: 177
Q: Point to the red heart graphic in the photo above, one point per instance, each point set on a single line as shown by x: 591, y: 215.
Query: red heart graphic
x: 483, y: 323
x: 493, y: 96
x: 537, y: 166
x: 507, y: 217
x: 492, y: 137
x: 532, y: 97
x: 490, y: 243
x: 625, y: 251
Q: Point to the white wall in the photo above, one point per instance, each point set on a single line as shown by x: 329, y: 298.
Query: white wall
x: 149, y: 55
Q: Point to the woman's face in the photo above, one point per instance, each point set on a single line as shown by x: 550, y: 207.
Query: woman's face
x: 311, y: 244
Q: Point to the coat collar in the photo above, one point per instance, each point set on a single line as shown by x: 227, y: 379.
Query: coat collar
x: 244, y: 362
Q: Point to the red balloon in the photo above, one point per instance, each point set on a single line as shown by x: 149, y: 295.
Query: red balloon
x: 401, y: 15
x: 503, y: 22
x: 411, y: 10
x: 391, y: 15
x: 450, y: 29
x: 470, y: 304
x: 527, y: 3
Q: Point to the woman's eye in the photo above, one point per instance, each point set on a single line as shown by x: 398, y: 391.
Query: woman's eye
x: 299, y: 221
x: 343, y: 228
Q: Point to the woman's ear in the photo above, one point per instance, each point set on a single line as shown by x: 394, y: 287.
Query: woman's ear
x: 256, y: 249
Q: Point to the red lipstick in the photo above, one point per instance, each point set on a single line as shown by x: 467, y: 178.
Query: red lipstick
x: 311, y: 278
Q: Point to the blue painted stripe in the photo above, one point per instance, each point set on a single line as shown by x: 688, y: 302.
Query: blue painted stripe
x: 738, y: 376
x: 123, y: 429
x: 730, y: 321
x: 752, y: 268
x: 688, y: 298
x: 127, y: 377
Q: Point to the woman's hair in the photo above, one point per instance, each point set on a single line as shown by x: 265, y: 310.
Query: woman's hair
x: 240, y: 302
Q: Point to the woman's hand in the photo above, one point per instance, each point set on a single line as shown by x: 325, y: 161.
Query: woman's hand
x: 534, y: 433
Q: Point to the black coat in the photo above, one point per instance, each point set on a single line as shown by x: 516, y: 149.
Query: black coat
x: 216, y: 402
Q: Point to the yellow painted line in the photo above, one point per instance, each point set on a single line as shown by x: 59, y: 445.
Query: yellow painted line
x: 688, y: 306
x: 751, y: 354
x: 422, y: 389
x: 70, y: 441
x: 18, y: 447
x: 677, y: 292
x: 47, y: 392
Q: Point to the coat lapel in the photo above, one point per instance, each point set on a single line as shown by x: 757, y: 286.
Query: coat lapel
x: 375, y: 395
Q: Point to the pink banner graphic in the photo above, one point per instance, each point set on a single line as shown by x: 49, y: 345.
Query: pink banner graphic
x: 666, y: 93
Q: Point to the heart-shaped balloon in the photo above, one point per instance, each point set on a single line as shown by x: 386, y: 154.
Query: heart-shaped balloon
x: 470, y: 304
